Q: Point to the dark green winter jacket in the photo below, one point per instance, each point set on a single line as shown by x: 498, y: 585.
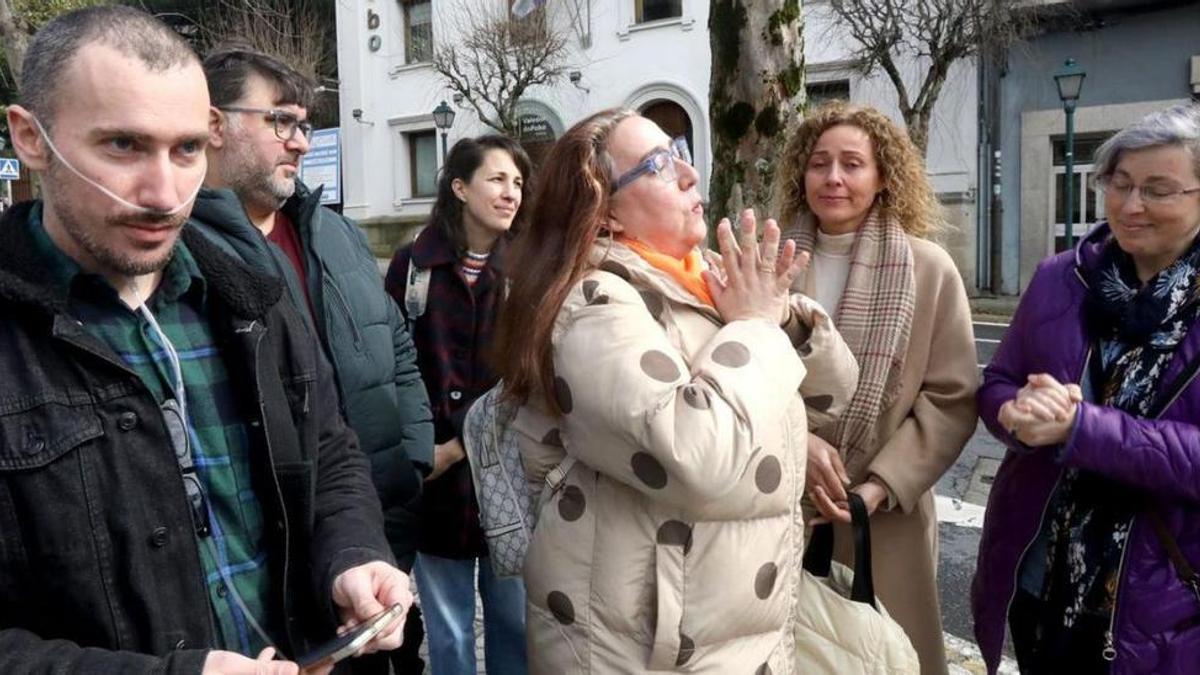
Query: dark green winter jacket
x: 362, y: 332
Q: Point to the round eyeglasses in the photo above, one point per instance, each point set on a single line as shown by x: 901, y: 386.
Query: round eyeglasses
x: 1151, y: 193
x: 286, y: 124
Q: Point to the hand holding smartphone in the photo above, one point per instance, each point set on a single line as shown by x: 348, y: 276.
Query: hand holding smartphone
x: 350, y: 642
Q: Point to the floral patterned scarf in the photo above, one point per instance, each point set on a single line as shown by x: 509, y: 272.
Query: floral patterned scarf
x: 1137, y: 329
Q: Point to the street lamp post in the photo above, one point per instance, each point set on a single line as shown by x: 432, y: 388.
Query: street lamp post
x: 443, y: 119
x: 1070, y: 81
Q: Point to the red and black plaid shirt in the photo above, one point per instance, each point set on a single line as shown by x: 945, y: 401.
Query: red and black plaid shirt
x: 452, y: 337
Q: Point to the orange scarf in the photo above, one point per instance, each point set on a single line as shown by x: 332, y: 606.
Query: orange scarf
x: 686, y: 272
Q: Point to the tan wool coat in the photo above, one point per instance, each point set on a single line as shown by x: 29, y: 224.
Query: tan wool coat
x: 921, y: 433
x: 674, y: 544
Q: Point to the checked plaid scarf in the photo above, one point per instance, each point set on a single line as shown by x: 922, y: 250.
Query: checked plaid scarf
x: 874, y: 318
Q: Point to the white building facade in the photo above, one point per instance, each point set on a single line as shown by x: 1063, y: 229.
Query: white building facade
x: 649, y: 55
x: 390, y: 147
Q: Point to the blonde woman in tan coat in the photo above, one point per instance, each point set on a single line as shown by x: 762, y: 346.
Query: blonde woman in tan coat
x: 853, y: 190
x: 673, y: 542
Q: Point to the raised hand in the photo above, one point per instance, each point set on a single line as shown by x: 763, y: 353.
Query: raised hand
x: 753, y: 279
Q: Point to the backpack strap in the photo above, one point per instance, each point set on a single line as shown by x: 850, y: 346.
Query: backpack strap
x: 416, y: 292
x: 1183, y: 569
x: 556, y: 476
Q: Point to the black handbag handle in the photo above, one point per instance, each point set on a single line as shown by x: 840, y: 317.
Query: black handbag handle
x: 818, y: 557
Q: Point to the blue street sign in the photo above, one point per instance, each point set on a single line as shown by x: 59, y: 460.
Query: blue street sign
x: 10, y: 169
x: 323, y: 164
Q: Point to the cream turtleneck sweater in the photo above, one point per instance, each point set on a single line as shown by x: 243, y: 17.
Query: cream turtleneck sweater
x: 830, y: 267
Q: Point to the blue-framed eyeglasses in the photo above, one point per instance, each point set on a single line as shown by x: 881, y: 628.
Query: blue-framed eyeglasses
x: 660, y: 163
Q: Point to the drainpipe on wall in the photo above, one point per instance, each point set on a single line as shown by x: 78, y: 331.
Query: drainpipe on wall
x: 983, y: 190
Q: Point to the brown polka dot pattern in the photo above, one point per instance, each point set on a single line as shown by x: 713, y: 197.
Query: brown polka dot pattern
x: 654, y: 303
x: 731, y: 354
x: 659, y: 366
x: 572, y: 503
x: 697, y: 397
x: 764, y: 581
x: 649, y: 470
x: 687, y: 647
x: 614, y: 267
x: 553, y: 438
x: 561, y: 607
x: 676, y: 533
x: 768, y: 474
x: 589, y: 289
x: 562, y: 395
x: 819, y: 403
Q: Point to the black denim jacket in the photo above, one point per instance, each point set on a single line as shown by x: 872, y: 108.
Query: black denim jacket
x: 99, y: 569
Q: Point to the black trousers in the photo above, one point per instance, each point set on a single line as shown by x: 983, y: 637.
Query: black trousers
x: 1042, y: 651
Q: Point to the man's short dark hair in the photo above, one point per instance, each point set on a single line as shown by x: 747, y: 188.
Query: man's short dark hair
x: 229, y: 67
x: 129, y: 31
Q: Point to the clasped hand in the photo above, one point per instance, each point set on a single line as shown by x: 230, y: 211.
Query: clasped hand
x: 1043, y: 411
x: 828, y: 483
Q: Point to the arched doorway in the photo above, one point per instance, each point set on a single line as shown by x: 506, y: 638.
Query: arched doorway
x: 672, y: 118
x: 538, y: 128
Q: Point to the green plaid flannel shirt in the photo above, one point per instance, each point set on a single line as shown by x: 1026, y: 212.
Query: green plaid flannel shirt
x: 220, y: 442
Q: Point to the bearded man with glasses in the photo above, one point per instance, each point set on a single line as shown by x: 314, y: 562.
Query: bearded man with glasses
x: 254, y: 206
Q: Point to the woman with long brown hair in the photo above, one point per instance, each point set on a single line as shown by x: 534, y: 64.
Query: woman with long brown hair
x: 661, y: 401
x: 853, y: 190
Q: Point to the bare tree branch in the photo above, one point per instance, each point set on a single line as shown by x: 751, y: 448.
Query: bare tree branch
x: 498, y: 59
x: 293, y: 31
x: 936, y: 33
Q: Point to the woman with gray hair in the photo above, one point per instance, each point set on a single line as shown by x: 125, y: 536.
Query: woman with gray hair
x: 1093, y: 524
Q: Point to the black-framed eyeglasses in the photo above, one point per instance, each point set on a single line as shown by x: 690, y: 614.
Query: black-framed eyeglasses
x: 286, y: 123
x: 660, y: 163
x: 1151, y: 193
x: 177, y: 433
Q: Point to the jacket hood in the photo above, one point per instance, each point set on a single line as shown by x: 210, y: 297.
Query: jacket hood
x: 25, y: 281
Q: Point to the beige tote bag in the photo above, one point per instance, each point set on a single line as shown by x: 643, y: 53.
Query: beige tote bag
x: 841, y: 627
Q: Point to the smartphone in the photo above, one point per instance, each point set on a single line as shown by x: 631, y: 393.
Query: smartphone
x: 351, y: 641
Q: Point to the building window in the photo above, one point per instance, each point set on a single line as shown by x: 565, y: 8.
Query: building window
x: 422, y: 163
x: 418, y: 31
x: 823, y: 92
x: 1088, y: 202
x: 655, y: 10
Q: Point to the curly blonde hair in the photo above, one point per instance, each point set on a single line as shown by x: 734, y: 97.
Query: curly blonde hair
x: 906, y: 194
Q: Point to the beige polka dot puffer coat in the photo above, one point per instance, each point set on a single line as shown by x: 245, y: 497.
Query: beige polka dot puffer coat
x: 674, y: 544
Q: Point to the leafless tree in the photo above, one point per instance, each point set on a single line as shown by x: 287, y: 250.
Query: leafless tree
x: 935, y: 33
x: 19, y: 20
x: 757, y: 86
x: 498, y: 58
x: 293, y: 31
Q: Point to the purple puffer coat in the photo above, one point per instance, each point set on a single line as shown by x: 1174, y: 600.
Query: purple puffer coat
x: 1156, y: 624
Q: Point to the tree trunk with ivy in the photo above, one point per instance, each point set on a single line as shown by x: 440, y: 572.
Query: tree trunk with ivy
x: 757, y: 88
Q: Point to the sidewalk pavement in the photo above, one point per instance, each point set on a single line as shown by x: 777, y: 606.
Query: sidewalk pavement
x: 962, y: 655
x: 997, y: 308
